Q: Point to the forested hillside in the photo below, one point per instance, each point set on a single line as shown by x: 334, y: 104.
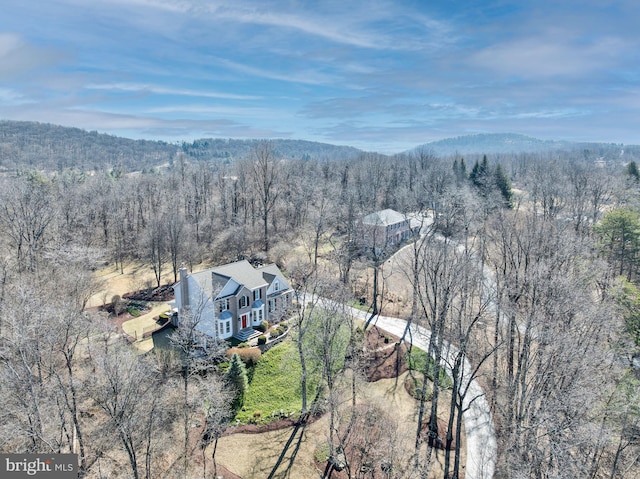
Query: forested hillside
x: 512, y: 144
x: 528, y: 265
x: 42, y: 146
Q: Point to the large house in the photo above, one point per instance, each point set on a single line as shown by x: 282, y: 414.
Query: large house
x: 387, y: 228
x: 230, y: 300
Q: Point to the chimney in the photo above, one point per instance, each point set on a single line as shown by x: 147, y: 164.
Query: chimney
x: 184, y: 288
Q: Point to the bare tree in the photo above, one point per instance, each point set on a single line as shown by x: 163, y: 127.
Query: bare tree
x: 265, y: 178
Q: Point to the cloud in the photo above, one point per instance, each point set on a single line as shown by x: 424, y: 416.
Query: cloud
x: 17, y: 57
x: 140, y: 126
x: 160, y: 90
x: 547, y: 57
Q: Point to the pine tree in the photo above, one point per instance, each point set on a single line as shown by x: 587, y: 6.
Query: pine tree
x: 460, y: 170
x: 236, y: 377
x: 479, y: 174
x: 504, y: 184
x: 632, y: 171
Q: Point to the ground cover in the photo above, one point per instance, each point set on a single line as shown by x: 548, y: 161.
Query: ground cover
x: 274, y: 391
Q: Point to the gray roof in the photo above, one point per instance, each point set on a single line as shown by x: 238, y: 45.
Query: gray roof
x: 270, y: 272
x: 384, y: 218
x: 214, y: 279
x: 243, y: 273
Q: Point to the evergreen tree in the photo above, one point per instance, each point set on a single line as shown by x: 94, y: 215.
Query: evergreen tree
x: 480, y: 173
x: 632, y: 171
x: 504, y: 184
x: 236, y: 377
x: 459, y: 170
x: 619, y: 233
x: 463, y: 169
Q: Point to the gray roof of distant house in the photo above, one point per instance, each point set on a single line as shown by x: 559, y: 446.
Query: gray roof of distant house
x: 384, y: 218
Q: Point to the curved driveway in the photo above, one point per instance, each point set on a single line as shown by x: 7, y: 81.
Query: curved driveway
x: 478, y: 422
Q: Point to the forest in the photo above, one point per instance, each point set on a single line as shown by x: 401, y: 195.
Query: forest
x: 530, y: 269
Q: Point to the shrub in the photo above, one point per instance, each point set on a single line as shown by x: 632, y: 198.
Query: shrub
x: 257, y: 414
x: 262, y: 340
x: 243, y: 345
x: 117, y: 304
x: 264, y: 326
x: 249, y: 356
x: 236, y: 377
x: 133, y: 311
x: 283, y: 325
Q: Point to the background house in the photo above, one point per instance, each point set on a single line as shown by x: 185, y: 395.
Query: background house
x: 230, y: 300
x: 386, y: 228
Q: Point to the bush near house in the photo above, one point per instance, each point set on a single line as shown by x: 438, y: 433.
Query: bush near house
x: 262, y: 340
x: 249, y: 356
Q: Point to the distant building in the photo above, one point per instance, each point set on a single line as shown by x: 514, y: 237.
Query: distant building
x: 386, y: 228
x: 230, y: 300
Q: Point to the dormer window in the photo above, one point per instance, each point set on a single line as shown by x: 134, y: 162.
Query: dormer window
x: 276, y: 285
x: 257, y: 294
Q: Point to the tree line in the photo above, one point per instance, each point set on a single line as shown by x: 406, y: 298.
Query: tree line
x: 520, y: 271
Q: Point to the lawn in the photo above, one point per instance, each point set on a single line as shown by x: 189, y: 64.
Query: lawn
x: 275, y: 386
x: 416, y: 361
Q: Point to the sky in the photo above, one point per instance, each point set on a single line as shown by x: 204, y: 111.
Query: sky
x: 380, y: 75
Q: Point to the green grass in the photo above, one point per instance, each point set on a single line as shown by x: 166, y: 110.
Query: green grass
x: 416, y: 361
x: 275, y: 386
x: 362, y: 307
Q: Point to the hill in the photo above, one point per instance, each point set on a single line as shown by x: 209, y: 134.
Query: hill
x: 493, y: 143
x: 50, y: 147
x: 222, y: 148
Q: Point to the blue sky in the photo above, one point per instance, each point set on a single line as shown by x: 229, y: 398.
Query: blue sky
x: 379, y: 75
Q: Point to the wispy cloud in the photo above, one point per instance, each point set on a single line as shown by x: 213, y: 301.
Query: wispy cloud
x: 18, y: 57
x: 160, y: 90
x: 549, y: 55
x: 378, y: 73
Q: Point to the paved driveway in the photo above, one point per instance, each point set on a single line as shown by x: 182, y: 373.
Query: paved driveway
x: 478, y: 421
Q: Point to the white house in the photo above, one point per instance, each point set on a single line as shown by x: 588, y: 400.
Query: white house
x: 230, y: 300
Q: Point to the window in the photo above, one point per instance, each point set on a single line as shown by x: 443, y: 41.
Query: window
x: 243, y: 302
x: 271, y: 305
x: 276, y: 285
x: 256, y: 294
x: 260, y: 315
x: 228, y: 327
x: 223, y: 305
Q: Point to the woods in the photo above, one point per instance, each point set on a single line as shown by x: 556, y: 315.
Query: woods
x: 527, y: 267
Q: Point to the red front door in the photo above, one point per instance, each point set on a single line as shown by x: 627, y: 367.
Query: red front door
x: 244, y: 321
